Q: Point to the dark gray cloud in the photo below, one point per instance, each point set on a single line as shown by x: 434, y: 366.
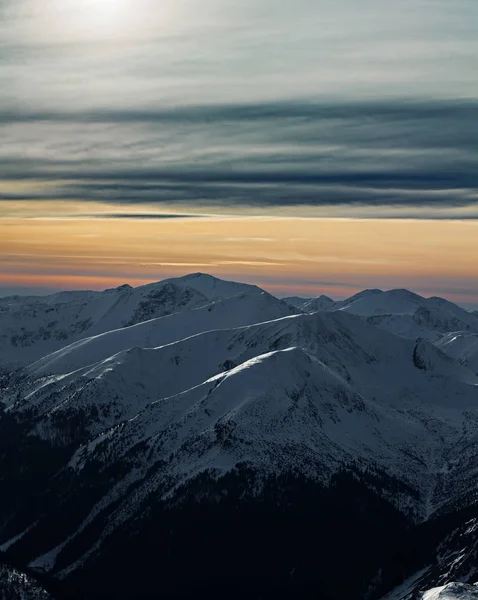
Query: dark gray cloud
x: 392, y: 110
x: 421, y: 154
x: 139, y: 216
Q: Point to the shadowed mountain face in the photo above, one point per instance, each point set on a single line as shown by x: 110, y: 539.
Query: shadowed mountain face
x: 17, y: 585
x: 199, y: 434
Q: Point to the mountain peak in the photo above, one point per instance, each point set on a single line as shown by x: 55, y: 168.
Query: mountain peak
x: 318, y: 304
x: 368, y: 292
x: 198, y: 275
x: 212, y: 287
x: 403, y: 292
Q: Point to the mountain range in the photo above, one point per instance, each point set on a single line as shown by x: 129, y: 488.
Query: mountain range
x: 203, y: 436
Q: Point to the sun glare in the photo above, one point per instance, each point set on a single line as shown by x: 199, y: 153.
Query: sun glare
x: 102, y: 20
x: 92, y: 19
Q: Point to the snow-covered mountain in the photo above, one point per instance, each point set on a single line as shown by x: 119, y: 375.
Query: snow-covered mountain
x: 200, y: 388
x: 243, y: 309
x: 410, y: 315
x: 312, y: 393
x: 31, y: 327
x: 401, y: 312
x: 377, y: 302
x: 318, y: 304
x: 373, y: 363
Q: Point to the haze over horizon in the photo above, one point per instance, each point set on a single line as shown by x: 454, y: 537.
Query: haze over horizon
x: 276, y: 290
x: 311, y: 147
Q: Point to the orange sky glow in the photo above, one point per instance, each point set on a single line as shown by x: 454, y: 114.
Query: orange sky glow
x: 285, y: 255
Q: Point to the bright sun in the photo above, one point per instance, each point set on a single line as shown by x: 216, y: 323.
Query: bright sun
x: 93, y: 21
x: 108, y: 8
x: 89, y: 19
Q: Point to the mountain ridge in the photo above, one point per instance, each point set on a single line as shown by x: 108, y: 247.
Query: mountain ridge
x: 233, y: 384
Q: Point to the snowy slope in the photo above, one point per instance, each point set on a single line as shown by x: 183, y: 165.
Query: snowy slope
x: 415, y: 400
x: 243, y: 309
x: 276, y: 410
x: 452, y: 591
x: 376, y: 302
x: 31, y: 327
x: 352, y: 348
x: 357, y: 414
x: 461, y: 346
x: 317, y: 304
x: 367, y: 303
x: 296, y: 301
x: 311, y: 304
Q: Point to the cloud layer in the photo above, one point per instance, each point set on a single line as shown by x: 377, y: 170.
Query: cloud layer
x: 278, y: 154
x: 233, y: 103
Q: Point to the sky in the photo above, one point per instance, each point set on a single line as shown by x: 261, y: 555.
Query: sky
x: 313, y: 146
